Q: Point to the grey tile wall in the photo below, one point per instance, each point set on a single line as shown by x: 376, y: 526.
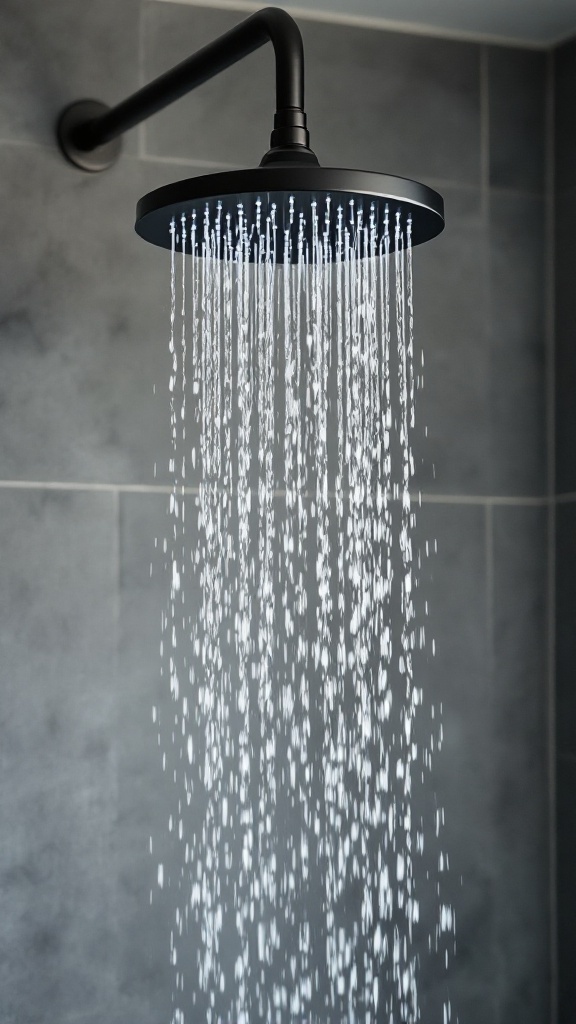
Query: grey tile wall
x: 84, y: 317
x: 518, y: 373
x: 458, y: 679
x: 517, y: 109
x: 453, y: 331
x: 59, y: 762
x: 80, y: 363
x: 54, y: 54
x: 144, y: 792
x: 520, y: 760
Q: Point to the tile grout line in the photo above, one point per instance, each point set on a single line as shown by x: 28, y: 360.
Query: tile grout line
x: 484, y: 500
x: 27, y: 143
x: 550, y: 285
x: 156, y: 158
x: 488, y: 501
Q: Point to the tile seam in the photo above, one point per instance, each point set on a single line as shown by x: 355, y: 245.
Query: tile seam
x: 417, y: 497
x: 151, y: 158
x: 29, y: 143
x: 518, y: 501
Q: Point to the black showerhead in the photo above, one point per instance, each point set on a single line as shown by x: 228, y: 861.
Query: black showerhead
x: 288, y: 183
x: 350, y: 197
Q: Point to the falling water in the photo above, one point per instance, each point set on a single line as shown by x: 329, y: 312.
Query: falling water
x: 293, y: 631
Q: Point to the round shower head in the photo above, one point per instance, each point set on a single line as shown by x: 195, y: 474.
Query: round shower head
x: 351, y: 197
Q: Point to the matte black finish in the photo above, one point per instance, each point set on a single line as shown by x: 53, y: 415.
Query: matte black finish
x: 88, y: 131
x: 275, y: 183
x: 270, y: 24
x: 70, y: 122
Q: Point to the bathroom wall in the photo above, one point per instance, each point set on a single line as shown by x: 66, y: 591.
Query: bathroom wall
x: 84, y: 448
x: 565, y: 89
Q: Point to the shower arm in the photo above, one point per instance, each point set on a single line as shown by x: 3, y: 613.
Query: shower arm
x: 88, y: 131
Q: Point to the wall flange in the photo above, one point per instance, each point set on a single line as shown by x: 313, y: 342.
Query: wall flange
x: 72, y: 120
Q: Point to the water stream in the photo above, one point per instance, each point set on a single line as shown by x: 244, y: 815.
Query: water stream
x: 293, y: 635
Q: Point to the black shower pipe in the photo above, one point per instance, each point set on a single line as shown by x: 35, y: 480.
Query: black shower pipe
x: 268, y: 25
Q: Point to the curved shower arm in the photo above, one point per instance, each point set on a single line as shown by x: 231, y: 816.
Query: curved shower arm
x: 268, y: 25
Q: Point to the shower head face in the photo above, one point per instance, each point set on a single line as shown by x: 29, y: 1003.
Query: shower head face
x: 346, y: 202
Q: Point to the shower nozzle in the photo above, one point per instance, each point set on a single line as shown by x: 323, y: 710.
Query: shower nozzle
x: 350, y: 196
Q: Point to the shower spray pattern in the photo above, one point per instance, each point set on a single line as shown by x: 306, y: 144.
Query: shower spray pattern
x: 292, y: 622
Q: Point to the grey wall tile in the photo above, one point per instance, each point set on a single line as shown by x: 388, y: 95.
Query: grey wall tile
x: 58, y: 634
x: 565, y: 341
x: 451, y: 331
x: 457, y: 681
x: 491, y: 773
x: 387, y: 102
x: 517, y: 81
x: 85, y: 324
x: 479, y: 321
x: 53, y: 54
x: 566, y: 627
x: 396, y: 103
x: 228, y: 119
x: 517, y: 452
x: 521, y: 758
x: 566, y: 787
x: 145, y: 795
x: 565, y: 97
x: 520, y: 609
